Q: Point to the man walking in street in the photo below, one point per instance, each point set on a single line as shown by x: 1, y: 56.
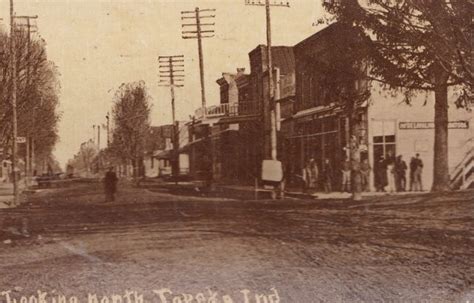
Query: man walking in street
x: 110, y: 185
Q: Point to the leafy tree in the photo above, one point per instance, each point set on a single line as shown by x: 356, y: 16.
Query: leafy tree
x: 37, y: 94
x: 131, y: 119
x: 83, y: 161
x: 418, y: 45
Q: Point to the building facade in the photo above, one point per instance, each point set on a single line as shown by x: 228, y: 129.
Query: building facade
x: 383, y: 125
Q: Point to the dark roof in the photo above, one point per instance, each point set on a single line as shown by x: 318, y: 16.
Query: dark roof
x: 319, y: 34
x: 157, y: 138
x: 334, y: 35
x: 283, y: 57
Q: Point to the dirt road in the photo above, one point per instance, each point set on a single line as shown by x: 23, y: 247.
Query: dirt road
x: 390, y: 249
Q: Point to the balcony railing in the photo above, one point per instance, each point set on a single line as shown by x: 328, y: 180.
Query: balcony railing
x: 228, y: 110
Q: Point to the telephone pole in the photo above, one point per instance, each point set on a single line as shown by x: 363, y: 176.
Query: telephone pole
x: 30, y: 143
x: 171, y: 73
x: 269, y: 110
x: 13, y: 76
x: 199, y: 31
x: 108, y: 128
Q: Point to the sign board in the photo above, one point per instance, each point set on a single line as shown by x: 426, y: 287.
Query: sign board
x: 21, y: 140
x: 272, y: 171
x: 431, y: 125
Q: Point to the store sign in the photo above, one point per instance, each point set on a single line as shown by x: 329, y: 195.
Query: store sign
x: 272, y: 171
x: 431, y: 125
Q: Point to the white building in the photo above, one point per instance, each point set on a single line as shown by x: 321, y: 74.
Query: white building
x: 409, y: 129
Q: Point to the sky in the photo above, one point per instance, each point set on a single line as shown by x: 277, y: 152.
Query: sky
x: 97, y: 45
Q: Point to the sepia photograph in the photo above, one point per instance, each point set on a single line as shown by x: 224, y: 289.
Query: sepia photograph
x: 236, y: 151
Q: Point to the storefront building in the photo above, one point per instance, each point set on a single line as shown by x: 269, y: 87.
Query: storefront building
x: 408, y: 129
x: 384, y: 125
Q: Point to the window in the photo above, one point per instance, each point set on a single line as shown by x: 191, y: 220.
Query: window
x: 384, y: 139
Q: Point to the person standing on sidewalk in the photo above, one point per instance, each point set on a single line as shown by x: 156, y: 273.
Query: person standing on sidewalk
x: 412, y: 173
x: 327, y: 176
x: 390, y: 173
x: 400, y: 173
x: 365, y: 175
x: 346, y: 176
x: 418, y: 171
x: 381, y: 174
x: 311, y: 174
x: 110, y: 185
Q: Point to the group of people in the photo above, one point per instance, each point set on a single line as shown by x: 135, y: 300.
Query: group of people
x: 390, y: 174
x: 313, y: 178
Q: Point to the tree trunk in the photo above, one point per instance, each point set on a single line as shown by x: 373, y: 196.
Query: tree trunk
x: 136, y: 173
x: 441, y: 166
x: 354, y: 154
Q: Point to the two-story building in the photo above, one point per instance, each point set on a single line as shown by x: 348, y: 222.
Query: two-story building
x: 384, y: 126
x: 233, y: 135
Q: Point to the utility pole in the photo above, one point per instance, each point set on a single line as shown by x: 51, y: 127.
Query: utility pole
x: 171, y: 73
x: 98, y: 144
x: 29, y: 139
x: 200, y: 30
x: 269, y: 110
x: 98, y: 137
x: 108, y: 128
x: 93, y: 134
x: 13, y: 76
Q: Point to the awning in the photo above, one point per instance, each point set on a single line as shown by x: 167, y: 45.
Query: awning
x: 318, y: 110
x: 165, y: 154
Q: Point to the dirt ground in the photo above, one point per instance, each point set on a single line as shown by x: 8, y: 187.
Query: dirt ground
x: 386, y: 249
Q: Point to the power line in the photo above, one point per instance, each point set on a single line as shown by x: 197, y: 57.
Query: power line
x: 30, y: 143
x: 171, y: 73
x: 263, y: 3
x: 269, y: 110
x: 13, y: 96
x: 199, y: 30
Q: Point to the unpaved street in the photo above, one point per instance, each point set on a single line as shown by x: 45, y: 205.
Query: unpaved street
x: 390, y: 249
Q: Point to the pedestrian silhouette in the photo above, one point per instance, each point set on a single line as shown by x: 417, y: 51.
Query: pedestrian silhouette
x: 110, y: 185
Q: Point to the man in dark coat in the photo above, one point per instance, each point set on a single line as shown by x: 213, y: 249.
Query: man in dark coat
x: 400, y: 173
x: 327, y: 175
x: 110, y: 185
x: 381, y: 174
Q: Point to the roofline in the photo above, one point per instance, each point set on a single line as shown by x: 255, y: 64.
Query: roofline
x: 319, y: 33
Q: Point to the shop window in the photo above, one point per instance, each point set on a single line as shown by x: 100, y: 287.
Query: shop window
x: 389, y: 139
x: 378, y: 139
x: 384, y: 139
x: 384, y: 146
